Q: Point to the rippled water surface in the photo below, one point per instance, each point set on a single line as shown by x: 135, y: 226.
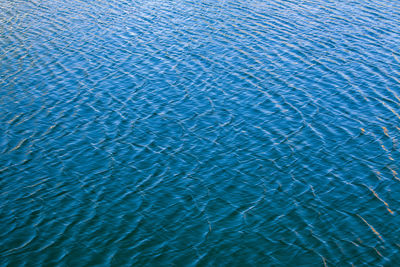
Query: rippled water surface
x: 209, y: 133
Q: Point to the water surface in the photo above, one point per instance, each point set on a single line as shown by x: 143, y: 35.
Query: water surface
x: 199, y: 133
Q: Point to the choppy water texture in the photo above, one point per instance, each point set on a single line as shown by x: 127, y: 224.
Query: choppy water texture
x: 209, y: 133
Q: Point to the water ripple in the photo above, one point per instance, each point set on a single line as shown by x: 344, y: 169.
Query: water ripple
x: 199, y: 133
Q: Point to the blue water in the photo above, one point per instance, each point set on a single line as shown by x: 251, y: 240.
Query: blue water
x: 199, y: 133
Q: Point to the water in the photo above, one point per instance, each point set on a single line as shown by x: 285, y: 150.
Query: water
x: 207, y: 133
